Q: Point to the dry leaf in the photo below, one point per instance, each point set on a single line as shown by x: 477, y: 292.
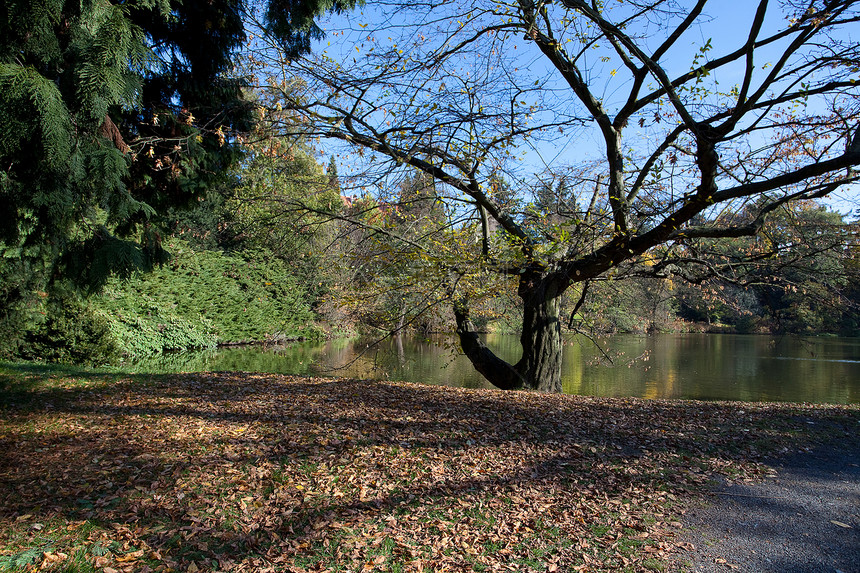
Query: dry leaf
x: 349, y: 475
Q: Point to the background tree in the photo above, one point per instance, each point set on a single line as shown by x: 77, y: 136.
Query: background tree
x: 655, y: 139
x: 259, y: 214
x: 794, y: 270
x: 388, y: 252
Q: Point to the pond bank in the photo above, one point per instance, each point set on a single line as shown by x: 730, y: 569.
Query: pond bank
x: 259, y: 472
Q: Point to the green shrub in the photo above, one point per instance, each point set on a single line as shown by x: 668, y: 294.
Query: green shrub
x: 202, y: 298
x: 72, y: 332
x: 142, y: 335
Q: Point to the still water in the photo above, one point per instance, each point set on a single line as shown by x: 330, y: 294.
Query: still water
x: 697, y: 366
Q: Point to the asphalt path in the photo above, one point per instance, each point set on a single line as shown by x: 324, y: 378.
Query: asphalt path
x: 805, y: 518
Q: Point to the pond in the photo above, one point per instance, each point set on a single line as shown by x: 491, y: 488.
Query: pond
x: 694, y: 366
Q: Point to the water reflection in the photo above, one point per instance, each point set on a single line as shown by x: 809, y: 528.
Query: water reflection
x: 699, y: 366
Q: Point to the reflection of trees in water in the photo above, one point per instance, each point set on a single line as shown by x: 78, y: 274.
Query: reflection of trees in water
x: 720, y: 367
x: 195, y: 361
x: 359, y: 358
x: 416, y: 359
x: 290, y: 358
x: 705, y: 366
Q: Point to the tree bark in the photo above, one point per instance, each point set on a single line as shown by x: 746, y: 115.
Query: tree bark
x: 539, y: 368
x: 497, y: 371
x: 540, y: 364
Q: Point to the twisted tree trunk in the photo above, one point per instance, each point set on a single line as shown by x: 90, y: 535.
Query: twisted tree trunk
x: 540, y: 364
x: 539, y: 368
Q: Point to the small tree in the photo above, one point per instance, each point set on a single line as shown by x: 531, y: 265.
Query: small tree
x: 658, y: 144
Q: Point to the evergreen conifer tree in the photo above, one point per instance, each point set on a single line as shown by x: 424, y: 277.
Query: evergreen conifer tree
x: 110, y: 113
x: 331, y: 172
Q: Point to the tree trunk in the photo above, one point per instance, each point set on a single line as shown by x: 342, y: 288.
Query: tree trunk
x: 540, y: 365
x: 497, y: 371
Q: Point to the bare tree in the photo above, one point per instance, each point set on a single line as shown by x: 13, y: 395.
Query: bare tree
x: 662, y: 118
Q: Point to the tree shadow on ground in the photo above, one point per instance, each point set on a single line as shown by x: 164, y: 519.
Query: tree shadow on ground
x: 268, y: 470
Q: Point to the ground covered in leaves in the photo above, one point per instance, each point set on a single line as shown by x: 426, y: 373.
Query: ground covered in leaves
x: 260, y: 472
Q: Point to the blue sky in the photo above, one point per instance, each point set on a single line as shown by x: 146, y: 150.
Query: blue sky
x: 727, y: 28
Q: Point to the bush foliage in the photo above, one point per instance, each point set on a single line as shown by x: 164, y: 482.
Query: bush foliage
x: 204, y: 298
x: 70, y: 332
x: 198, y: 299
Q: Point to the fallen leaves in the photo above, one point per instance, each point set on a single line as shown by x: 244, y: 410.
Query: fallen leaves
x: 254, y: 472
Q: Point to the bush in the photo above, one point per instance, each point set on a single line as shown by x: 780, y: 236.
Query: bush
x: 203, y: 298
x: 72, y: 332
x: 152, y: 334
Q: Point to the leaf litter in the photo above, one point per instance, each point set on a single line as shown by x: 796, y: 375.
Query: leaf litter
x: 264, y: 472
